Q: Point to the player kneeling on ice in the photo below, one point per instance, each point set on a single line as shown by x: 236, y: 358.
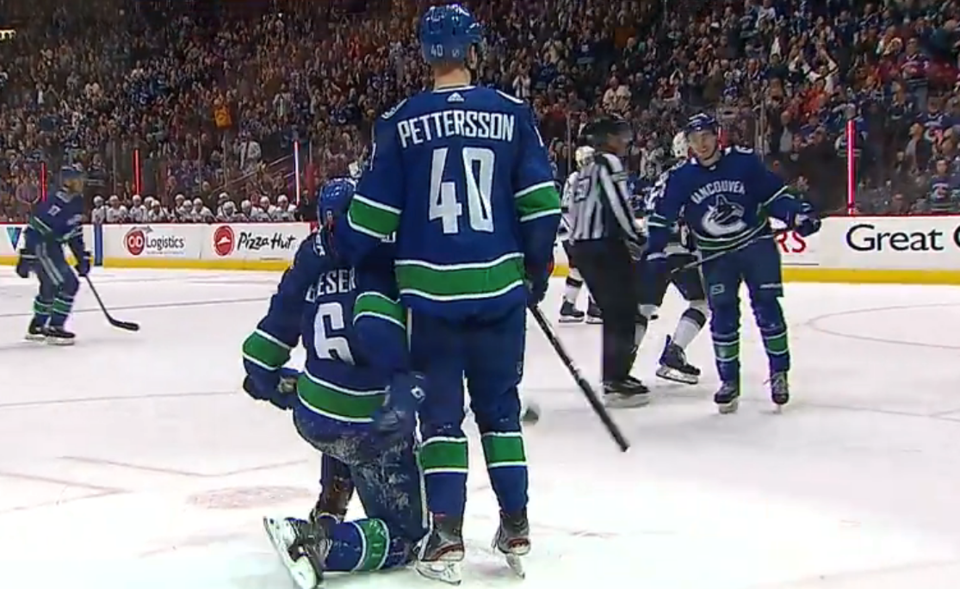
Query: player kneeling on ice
x: 726, y: 197
x: 54, y: 222
x: 356, y: 402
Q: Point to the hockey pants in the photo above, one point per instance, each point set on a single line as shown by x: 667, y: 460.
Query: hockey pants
x: 488, y: 353
x: 612, y: 278
x: 388, y: 482
x: 58, y: 285
x: 758, y: 266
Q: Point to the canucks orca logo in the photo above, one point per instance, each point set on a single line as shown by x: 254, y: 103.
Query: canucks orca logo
x: 723, y: 218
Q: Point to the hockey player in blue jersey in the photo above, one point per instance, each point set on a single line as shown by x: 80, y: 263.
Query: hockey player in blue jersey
x: 355, y: 402
x: 461, y: 174
x: 726, y: 198
x: 55, y: 222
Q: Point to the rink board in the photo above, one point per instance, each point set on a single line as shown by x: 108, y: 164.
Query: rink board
x: 901, y: 250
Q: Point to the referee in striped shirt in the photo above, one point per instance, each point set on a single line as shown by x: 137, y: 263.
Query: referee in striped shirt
x: 606, y: 247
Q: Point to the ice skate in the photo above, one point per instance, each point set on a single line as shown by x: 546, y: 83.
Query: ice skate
x: 629, y: 392
x: 442, y: 550
x: 570, y: 314
x: 674, y: 365
x: 36, y: 331
x: 779, y: 390
x: 727, y: 398
x: 512, y: 539
x: 58, y: 336
x: 302, y: 548
x: 594, y: 316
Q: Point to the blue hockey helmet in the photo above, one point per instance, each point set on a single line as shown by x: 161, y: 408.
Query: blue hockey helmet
x: 701, y: 122
x: 334, y: 200
x: 447, y: 33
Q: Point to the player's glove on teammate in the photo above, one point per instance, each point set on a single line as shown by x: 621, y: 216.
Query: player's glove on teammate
x: 537, y: 283
x: 805, y: 221
x: 25, y: 263
x: 277, y: 387
x: 83, y: 264
x: 397, y: 417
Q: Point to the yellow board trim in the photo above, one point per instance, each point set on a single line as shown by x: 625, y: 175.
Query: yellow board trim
x: 790, y: 274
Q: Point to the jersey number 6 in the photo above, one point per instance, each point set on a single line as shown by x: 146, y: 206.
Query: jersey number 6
x: 477, y: 171
x: 331, y: 347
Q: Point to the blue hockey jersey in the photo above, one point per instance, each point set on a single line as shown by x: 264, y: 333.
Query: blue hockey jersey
x: 463, y: 178
x: 354, y: 334
x: 56, y: 220
x: 724, y: 205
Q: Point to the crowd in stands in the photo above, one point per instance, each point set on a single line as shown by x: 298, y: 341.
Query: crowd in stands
x: 179, y: 100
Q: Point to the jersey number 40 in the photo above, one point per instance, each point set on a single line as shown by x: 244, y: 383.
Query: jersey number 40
x: 476, y: 165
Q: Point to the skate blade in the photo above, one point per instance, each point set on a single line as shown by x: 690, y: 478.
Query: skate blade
x: 672, y: 374
x: 445, y: 572
x: 281, y: 537
x: 778, y: 408
x: 513, y: 557
x: 728, y: 408
x: 35, y: 337
x: 621, y: 402
x: 595, y: 320
x: 58, y: 341
x: 568, y: 319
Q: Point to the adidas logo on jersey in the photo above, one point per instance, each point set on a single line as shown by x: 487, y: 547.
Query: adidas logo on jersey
x: 455, y: 97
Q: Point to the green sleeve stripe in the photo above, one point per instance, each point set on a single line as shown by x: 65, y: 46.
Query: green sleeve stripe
x: 265, y: 350
x: 534, y: 188
x: 372, y: 218
x: 40, y: 226
x: 375, y: 303
x: 538, y: 203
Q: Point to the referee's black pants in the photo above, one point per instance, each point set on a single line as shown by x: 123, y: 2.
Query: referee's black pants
x: 611, y: 276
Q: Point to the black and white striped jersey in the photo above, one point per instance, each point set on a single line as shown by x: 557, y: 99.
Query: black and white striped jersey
x: 600, y: 204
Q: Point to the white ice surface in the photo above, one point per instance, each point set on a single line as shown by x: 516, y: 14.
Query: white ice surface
x: 133, y: 461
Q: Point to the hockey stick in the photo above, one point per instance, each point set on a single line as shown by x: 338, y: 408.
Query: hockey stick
x: 585, y: 387
x: 126, y: 325
x: 720, y: 254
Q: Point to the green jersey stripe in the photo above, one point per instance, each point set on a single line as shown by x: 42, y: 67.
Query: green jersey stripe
x: 452, y: 283
x: 372, y: 218
x: 265, y: 350
x: 339, y: 402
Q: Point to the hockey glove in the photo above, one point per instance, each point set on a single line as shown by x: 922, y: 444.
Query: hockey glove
x: 278, y: 387
x: 537, y: 283
x: 25, y: 263
x: 805, y: 221
x: 397, y: 417
x: 83, y: 264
